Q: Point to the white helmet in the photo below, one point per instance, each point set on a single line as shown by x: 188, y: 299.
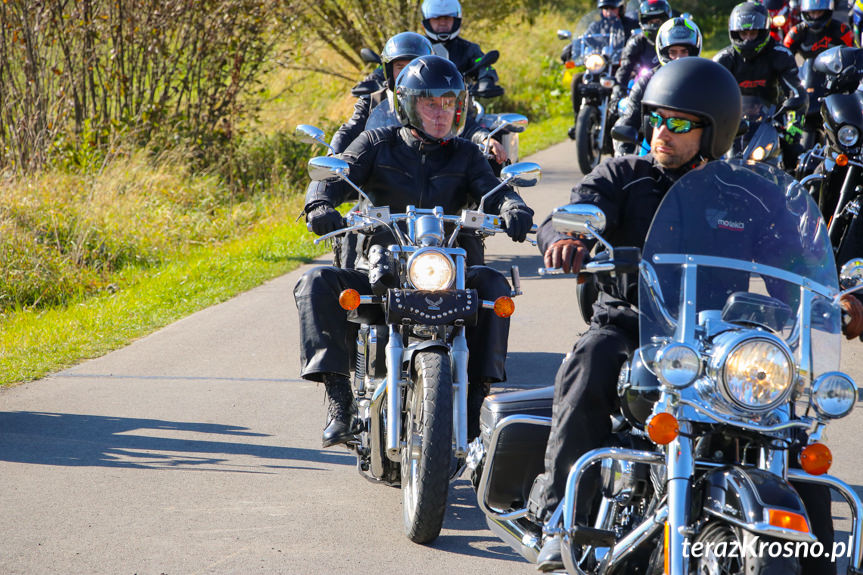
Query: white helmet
x: 436, y: 9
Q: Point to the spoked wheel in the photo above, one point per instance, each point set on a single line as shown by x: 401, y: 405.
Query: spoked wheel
x: 722, y: 555
x: 587, y: 145
x: 427, y: 452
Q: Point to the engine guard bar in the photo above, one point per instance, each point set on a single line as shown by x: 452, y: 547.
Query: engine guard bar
x: 566, y: 510
x: 482, y: 488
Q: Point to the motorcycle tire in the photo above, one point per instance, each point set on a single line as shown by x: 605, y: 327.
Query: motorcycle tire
x: 588, y: 148
x: 587, y: 294
x: 718, y: 533
x: 427, y: 453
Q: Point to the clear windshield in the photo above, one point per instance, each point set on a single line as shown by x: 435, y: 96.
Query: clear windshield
x: 597, y: 35
x: 382, y: 116
x: 756, y: 109
x: 727, y: 210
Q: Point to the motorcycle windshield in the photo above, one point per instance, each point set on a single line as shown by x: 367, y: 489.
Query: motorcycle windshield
x: 383, y: 115
x: 597, y: 35
x: 734, y: 244
x: 756, y: 109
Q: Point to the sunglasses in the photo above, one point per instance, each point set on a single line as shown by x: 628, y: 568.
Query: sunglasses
x: 675, y: 125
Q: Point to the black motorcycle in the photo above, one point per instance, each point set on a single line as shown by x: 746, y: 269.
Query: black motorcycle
x: 597, y: 45
x: 761, y: 130
x: 833, y: 170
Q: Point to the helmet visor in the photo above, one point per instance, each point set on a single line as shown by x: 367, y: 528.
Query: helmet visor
x: 747, y: 20
x: 438, y: 113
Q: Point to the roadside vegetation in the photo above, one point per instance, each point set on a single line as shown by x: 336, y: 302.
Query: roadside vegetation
x: 147, y: 164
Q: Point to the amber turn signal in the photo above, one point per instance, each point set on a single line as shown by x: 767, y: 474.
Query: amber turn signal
x: 504, y: 306
x: 569, y: 64
x: 788, y: 520
x: 349, y: 299
x: 663, y: 428
x: 841, y: 160
x: 815, y: 459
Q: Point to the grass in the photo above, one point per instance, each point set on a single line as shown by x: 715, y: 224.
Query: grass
x: 36, y: 343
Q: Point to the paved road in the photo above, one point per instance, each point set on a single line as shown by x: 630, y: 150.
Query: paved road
x: 197, y: 450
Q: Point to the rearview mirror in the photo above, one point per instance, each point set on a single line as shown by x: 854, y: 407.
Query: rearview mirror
x: 564, y: 35
x: 584, y: 219
x: 522, y: 174
x: 310, y: 134
x: 851, y: 274
x: 625, y: 134
x: 516, y: 122
x: 326, y: 168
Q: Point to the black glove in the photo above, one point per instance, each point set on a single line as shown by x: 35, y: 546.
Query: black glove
x: 322, y: 218
x: 517, y: 220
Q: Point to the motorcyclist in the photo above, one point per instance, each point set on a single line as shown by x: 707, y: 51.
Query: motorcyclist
x: 611, y: 21
x: 818, y: 30
x: 856, y: 19
x: 677, y: 38
x: 764, y: 68
x: 640, y: 50
x: 442, y: 25
x: 423, y: 163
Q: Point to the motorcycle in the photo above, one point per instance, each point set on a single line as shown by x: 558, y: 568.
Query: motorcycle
x: 410, y: 378
x: 782, y: 17
x: 834, y: 169
x: 597, y: 45
x: 763, y: 127
x: 735, y: 378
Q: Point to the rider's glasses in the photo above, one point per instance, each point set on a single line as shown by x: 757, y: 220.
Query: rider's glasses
x: 675, y: 125
x: 441, y: 104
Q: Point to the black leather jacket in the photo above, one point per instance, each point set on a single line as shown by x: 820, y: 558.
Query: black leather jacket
x: 801, y: 39
x: 464, y: 55
x: 638, y: 53
x: 771, y: 73
x: 629, y: 190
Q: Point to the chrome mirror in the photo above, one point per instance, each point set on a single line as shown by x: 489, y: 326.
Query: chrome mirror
x: 579, y: 219
x: 522, y: 174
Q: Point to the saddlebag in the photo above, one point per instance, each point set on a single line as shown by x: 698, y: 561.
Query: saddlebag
x: 519, y: 453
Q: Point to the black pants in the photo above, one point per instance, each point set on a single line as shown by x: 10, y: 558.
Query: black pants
x: 326, y: 335
x: 585, y: 396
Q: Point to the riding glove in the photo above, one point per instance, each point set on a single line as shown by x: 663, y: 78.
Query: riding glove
x: 322, y: 218
x: 517, y: 221
x: 852, y: 310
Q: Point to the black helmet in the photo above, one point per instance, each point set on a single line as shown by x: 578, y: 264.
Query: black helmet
x: 678, y: 31
x: 817, y: 24
x: 403, y: 46
x: 436, y: 9
x: 650, y: 10
x: 609, y: 4
x: 745, y: 17
x: 430, y: 77
x: 703, y: 88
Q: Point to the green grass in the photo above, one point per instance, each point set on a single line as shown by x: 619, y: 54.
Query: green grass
x: 36, y: 343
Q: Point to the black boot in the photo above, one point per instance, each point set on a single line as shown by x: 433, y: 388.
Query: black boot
x: 341, y: 410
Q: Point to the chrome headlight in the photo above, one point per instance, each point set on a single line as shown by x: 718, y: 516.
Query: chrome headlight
x: 679, y: 365
x: 594, y: 63
x: 833, y: 395
x: 778, y: 21
x: 755, y: 372
x: 431, y: 270
x: 848, y: 135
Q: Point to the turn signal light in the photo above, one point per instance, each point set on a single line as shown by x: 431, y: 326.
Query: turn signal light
x: 815, y: 459
x: 569, y: 64
x: 663, y: 428
x: 841, y: 160
x: 504, y: 306
x: 788, y: 520
x: 349, y: 299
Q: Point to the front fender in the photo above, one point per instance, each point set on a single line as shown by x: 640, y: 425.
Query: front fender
x: 411, y: 351
x: 745, y: 496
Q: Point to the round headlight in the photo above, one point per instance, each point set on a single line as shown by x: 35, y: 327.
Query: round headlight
x: 758, y: 154
x: 679, y: 365
x: 848, y: 135
x: 834, y: 395
x: 431, y: 270
x: 594, y: 62
x: 779, y: 21
x: 757, y: 373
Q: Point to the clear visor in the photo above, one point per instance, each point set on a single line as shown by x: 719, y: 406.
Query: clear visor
x: 439, y: 114
x: 748, y: 21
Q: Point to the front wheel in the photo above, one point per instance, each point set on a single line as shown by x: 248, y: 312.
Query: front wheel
x: 427, y: 452
x: 588, y: 148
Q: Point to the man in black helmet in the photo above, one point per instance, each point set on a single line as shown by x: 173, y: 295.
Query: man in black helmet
x: 763, y: 68
x: 691, y: 109
x: 422, y: 163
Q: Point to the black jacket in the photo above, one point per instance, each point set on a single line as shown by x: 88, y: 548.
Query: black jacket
x: 772, y: 72
x: 628, y: 190
x: 801, y: 39
x: 464, y: 55
x: 639, y: 52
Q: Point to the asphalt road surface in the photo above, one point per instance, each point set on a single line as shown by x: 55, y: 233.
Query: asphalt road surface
x: 197, y: 449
